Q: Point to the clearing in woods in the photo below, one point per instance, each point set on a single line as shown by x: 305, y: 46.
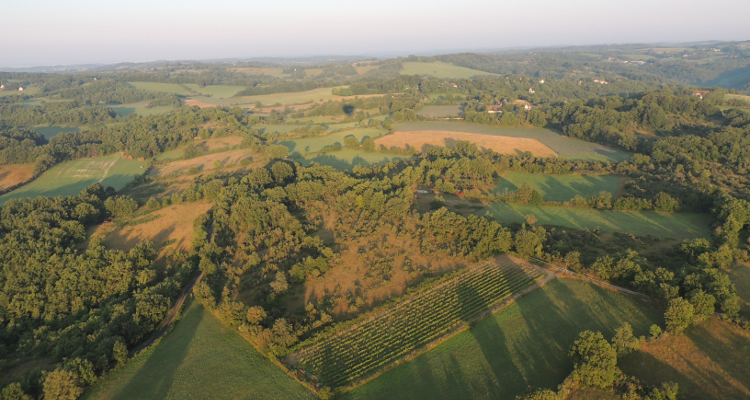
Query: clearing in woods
x: 140, y: 108
x: 69, y: 178
x: 216, y: 91
x: 226, y: 143
x: 345, y: 357
x: 740, y: 276
x: 555, y: 187
x: 565, y: 147
x: 423, y: 140
x: 51, y: 131
x: 525, y: 344
x: 709, y: 361
x: 12, y: 175
x: 315, y: 144
x: 440, y: 70
x: 441, y: 111
x: 345, y: 160
x: 161, y: 87
x: 199, y: 359
x: 640, y: 223
x: 206, y: 163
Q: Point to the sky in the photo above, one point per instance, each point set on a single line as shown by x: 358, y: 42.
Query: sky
x: 65, y: 32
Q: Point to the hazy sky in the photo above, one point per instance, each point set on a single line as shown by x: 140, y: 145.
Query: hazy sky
x: 49, y: 32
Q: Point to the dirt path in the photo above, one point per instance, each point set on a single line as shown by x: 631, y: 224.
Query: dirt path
x: 106, y: 171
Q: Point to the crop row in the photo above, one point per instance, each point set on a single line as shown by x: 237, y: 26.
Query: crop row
x: 346, y: 356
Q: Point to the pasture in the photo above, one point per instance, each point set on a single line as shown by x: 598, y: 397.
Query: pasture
x: 315, y: 144
x: 525, y: 344
x: 639, y: 223
x: 161, y: 87
x: 12, y: 175
x: 565, y: 147
x: 345, y: 160
x: 344, y: 357
x: 441, y: 70
x: 740, y: 276
x: 310, y: 96
x: 204, y: 163
x: 199, y: 359
x: 173, y: 224
x: 708, y: 362
x: 423, y: 140
x: 441, y: 111
x: 559, y: 187
x: 69, y: 178
x: 51, y: 131
x: 217, y: 91
x: 139, y: 108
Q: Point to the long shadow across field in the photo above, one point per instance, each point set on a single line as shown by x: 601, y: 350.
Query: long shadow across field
x: 158, y: 373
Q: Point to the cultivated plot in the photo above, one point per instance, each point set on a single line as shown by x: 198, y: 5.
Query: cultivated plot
x: 69, y: 178
x: 199, y: 359
x: 640, y: 223
x: 441, y: 111
x: 565, y: 147
x: 12, y: 175
x: 441, y: 70
x: 559, y: 187
x: 344, y: 357
x: 423, y: 140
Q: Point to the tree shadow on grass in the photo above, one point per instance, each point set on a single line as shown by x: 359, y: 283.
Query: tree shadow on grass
x: 155, y: 377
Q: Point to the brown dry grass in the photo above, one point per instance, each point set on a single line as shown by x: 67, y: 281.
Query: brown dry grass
x: 198, y: 103
x: 708, y: 362
x: 218, y: 143
x: 172, y: 223
x: 422, y: 140
x: 11, y: 175
x: 206, y: 163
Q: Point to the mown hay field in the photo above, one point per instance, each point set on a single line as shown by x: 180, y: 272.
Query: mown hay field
x: 423, y: 140
x: 69, y: 178
x: 525, y: 344
x: 441, y: 111
x: 559, y: 187
x: 217, y: 91
x: 565, y: 147
x: 639, y: 223
x: 11, y: 175
x: 161, y: 87
x: 204, y: 163
x: 296, y: 100
x: 139, y: 108
x: 315, y: 144
x: 199, y: 359
x: 708, y: 362
x: 440, y: 70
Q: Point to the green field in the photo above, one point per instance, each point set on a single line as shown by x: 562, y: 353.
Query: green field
x: 526, y: 344
x: 346, y: 356
x: 740, y: 276
x: 216, y: 91
x: 345, y: 160
x: 441, y: 111
x: 314, y: 144
x: 69, y: 178
x: 315, y: 95
x: 559, y: 187
x: 200, y: 359
x: 27, y: 90
x: 139, y: 108
x: 161, y: 87
x: 440, y: 70
x: 641, y: 223
x: 565, y: 147
x: 52, y: 131
x: 284, y: 128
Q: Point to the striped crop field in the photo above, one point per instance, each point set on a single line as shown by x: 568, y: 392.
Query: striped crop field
x: 352, y: 354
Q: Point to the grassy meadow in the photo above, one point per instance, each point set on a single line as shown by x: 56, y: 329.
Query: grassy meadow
x: 139, y: 108
x: 161, y: 87
x: 441, y: 111
x: 315, y: 144
x: 199, y: 359
x: 740, y: 276
x: 345, y: 160
x: 441, y: 70
x: 315, y: 95
x: 52, y: 131
x: 525, y: 344
x: 11, y: 175
x: 565, y: 147
x: 69, y: 178
x: 559, y: 187
x: 216, y: 91
x: 642, y: 223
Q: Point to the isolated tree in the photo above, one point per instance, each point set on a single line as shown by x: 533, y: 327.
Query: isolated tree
x: 624, y: 342
x: 595, y: 360
x: 368, y: 145
x: 654, y: 331
x: 14, y: 392
x: 351, y: 142
x: 277, y: 151
x: 61, y: 385
x: 679, y: 315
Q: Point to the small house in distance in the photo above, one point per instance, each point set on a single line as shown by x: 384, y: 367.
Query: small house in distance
x: 454, y: 85
x: 523, y: 103
x: 20, y: 89
x: 495, y: 109
x: 531, y: 90
x: 2, y: 87
x: 541, y: 81
x: 700, y: 93
x: 601, y: 81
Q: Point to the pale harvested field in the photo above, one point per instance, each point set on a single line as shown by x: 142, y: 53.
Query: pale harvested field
x: 217, y: 143
x: 173, y: 223
x: 198, y: 103
x: 11, y: 175
x: 422, y: 140
x: 204, y: 163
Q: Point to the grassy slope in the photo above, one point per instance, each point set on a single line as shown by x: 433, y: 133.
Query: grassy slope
x: 523, y: 345
x: 740, y: 276
x: 139, y: 108
x: 565, y: 147
x: 52, y: 131
x: 161, y: 87
x: 314, y: 144
x: 440, y: 70
x: 217, y: 91
x: 200, y: 359
x: 441, y: 111
x: 347, y: 159
x: 671, y: 225
x: 559, y: 187
x: 708, y: 362
x: 69, y: 178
